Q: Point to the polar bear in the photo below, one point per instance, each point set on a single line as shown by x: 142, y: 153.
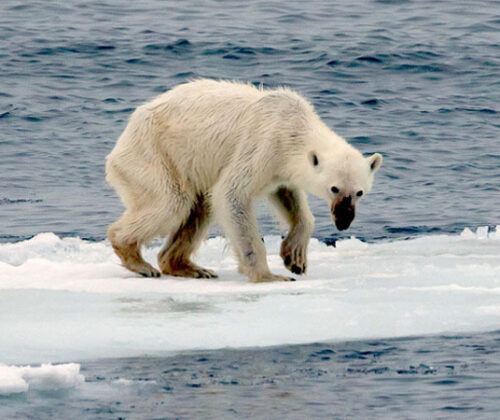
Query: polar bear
x: 204, y: 151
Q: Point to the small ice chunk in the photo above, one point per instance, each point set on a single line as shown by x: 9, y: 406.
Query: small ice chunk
x: 11, y: 380
x: 482, y: 232
x: 467, y: 234
x: 47, y: 377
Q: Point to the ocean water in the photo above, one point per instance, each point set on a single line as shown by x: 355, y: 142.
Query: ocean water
x: 442, y: 377
x: 418, y: 82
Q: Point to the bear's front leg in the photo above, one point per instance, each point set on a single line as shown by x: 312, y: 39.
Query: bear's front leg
x: 292, y: 205
x: 240, y: 225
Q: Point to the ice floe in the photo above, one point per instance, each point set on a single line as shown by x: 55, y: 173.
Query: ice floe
x: 69, y: 299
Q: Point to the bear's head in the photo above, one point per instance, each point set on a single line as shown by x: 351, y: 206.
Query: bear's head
x: 342, y: 177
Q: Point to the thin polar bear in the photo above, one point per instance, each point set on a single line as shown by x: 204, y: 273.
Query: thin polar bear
x: 204, y: 151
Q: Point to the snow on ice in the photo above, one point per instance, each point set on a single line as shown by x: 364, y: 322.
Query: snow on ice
x: 69, y: 299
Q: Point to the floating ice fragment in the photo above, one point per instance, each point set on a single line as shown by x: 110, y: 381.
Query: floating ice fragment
x: 47, y: 377
x: 11, y: 380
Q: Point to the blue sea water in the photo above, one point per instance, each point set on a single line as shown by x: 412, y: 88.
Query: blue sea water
x: 444, y: 377
x: 418, y: 81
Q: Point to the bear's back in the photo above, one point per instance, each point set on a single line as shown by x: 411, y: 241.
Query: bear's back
x: 207, y: 93
x: 202, y: 126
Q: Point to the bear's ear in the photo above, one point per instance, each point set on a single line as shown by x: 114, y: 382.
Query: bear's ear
x: 375, y: 161
x: 313, y: 159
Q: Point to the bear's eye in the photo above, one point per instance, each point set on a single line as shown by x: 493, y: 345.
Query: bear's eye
x: 335, y: 190
x: 359, y: 193
x: 315, y: 159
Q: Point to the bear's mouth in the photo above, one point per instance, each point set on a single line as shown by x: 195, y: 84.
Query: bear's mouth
x: 343, y: 213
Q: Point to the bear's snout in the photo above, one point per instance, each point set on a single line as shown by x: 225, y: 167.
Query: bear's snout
x: 343, y: 213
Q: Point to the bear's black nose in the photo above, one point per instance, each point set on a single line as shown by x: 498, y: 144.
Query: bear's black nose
x: 346, y: 201
x: 344, y: 213
x: 343, y: 222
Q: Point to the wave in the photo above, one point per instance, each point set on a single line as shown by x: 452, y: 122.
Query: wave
x: 73, y: 300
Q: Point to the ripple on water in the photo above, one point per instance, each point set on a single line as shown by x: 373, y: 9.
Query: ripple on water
x: 395, y: 77
x: 413, y: 376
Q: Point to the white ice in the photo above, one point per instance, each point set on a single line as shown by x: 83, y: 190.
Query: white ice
x: 68, y: 299
x: 47, y: 377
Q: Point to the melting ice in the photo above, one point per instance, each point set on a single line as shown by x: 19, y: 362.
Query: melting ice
x: 69, y: 299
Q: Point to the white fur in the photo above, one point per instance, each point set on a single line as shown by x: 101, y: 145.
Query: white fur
x: 233, y: 142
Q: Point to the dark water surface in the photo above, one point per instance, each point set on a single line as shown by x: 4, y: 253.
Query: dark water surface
x: 413, y: 378
x: 416, y: 81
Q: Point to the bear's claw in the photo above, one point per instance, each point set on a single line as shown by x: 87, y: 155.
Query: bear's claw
x: 294, y: 258
x: 203, y: 273
x: 148, y: 271
x: 297, y: 270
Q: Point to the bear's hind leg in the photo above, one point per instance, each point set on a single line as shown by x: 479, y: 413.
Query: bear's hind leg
x: 175, y: 257
x: 158, y: 215
x: 126, y: 236
x: 292, y: 205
